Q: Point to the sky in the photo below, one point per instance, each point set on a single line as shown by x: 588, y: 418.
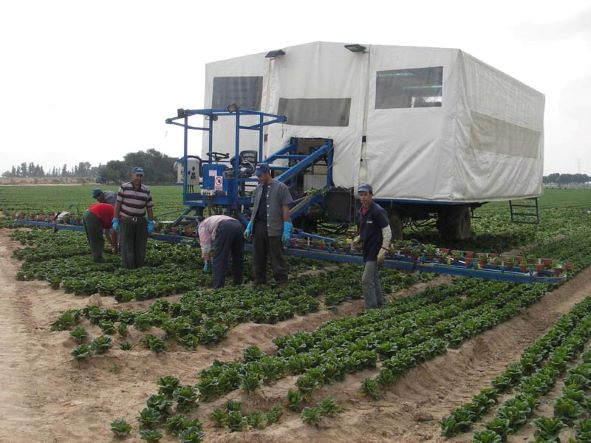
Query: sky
x: 92, y: 80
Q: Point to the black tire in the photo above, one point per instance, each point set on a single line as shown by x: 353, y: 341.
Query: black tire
x: 395, y: 225
x: 454, y: 223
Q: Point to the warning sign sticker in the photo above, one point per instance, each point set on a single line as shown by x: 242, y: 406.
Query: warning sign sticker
x: 219, y: 183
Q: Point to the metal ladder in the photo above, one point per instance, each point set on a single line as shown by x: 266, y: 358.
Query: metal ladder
x: 524, y: 212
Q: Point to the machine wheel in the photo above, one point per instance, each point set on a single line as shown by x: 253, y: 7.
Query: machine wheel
x: 454, y: 223
x: 395, y: 225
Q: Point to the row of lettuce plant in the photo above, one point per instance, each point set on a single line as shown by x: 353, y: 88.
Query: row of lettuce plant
x: 532, y: 373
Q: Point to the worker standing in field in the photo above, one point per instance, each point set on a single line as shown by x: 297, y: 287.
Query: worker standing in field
x: 269, y: 226
x: 133, y: 202
x: 220, y: 237
x: 374, y: 235
x: 97, y: 219
x: 104, y: 196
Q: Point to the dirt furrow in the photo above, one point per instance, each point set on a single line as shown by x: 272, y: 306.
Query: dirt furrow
x: 46, y: 396
x: 411, y: 410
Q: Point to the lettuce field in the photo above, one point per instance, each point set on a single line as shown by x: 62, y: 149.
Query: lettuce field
x: 95, y: 352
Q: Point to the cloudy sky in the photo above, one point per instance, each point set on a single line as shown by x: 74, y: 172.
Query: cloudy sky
x: 91, y: 80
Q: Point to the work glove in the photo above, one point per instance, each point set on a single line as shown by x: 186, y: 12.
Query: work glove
x: 206, y: 266
x: 150, y: 226
x: 286, y: 232
x: 355, y: 242
x: 381, y: 256
x: 115, y: 224
x: 248, y: 231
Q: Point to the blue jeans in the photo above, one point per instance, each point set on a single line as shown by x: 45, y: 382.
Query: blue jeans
x: 370, y: 283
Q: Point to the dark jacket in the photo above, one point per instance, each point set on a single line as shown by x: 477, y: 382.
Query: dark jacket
x: 370, y: 230
x: 277, y: 196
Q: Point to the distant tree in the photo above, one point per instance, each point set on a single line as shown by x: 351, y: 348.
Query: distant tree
x: 553, y: 178
x: 158, y: 168
x: 567, y: 179
x: 83, y: 169
x: 114, y: 171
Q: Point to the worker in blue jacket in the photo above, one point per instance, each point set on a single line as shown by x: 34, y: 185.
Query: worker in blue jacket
x: 374, y: 236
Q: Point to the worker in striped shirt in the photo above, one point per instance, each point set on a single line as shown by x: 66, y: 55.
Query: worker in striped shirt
x: 133, y: 201
x: 220, y: 237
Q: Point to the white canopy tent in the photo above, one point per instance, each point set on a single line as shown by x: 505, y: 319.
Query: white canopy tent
x: 419, y: 124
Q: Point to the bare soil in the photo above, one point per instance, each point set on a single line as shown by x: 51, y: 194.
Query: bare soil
x: 45, y: 396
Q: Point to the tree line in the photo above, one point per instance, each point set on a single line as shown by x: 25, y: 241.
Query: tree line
x: 82, y: 169
x: 566, y: 179
x: 158, y: 168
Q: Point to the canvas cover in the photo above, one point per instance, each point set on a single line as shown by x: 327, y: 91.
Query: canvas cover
x: 421, y: 124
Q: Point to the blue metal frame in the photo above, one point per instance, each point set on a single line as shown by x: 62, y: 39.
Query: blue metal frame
x: 283, y: 151
x: 400, y: 262
x: 307, y: 161
x: 302, y: 209
x: 405, y: 264
x: 231, y: 200
x: 170, y: 238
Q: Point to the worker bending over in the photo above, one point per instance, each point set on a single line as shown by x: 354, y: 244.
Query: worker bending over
x: 220, y: 237
x: 97, y: 219
x: 374, y: 235
x: 269, y: 226
x: 133, y: 201
x: 104, y: 196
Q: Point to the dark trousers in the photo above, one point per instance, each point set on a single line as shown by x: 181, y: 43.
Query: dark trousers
x: 94, y: 235
x: 263, y: 245
x: 133, y: 240
x: 229, y: 241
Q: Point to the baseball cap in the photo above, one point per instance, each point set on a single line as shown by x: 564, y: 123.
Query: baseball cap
x: 261, y: 169
x: 96, y: 193
x: 137, y: 170
x: 364, y: 187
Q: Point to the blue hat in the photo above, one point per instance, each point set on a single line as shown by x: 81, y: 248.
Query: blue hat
x: 364, y: 187
x: 96, y: 193
x: 261, y: 169
x: 137, y: 170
